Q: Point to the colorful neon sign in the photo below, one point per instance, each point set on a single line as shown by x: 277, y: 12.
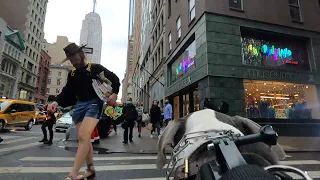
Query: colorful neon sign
x: 185, y: 65
x: 277, y: 53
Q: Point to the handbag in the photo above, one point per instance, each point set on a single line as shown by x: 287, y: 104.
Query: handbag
x: 145, y: 117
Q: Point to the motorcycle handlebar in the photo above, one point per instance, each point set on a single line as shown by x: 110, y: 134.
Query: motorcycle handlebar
x: 266, y: 135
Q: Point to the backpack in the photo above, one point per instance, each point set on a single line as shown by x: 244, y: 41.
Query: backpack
x: 131, y: 113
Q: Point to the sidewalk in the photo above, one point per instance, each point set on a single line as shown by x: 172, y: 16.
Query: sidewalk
x: 299, y: 144
x: 114, y: 144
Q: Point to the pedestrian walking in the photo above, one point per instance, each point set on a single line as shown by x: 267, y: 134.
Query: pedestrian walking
x: 48, y: 123
x: 167, y: 113
x: 155, y: 117
x: 130, y: 116
x: 79, y: 91
x: 139, y: 109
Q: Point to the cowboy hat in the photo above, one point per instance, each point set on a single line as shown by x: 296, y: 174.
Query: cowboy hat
x: 71, y: 50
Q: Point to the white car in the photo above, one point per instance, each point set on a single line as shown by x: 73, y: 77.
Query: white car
x: 63, y: 123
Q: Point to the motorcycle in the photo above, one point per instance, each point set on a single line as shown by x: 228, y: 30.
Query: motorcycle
x: 225, y: 157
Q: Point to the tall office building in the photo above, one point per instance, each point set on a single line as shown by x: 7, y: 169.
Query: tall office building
x: 27, y: 16
x: 91, y: 35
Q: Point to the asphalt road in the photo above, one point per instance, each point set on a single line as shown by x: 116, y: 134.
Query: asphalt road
x: 23, y: 158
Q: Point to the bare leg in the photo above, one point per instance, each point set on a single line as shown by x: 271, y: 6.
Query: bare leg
x: 84, y: 133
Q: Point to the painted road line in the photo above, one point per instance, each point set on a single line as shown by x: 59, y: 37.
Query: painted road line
x: 8, y: 170
x: 21, y: 139
x: 312, y: 174
x: 9, y: 137
x: 20, y: 147
x: 162, y: 178
x: 299, y: 162
x: 95, y: 158
x: 288, y: 156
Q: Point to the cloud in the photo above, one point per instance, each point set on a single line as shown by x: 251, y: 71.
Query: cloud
x: 64, y: 17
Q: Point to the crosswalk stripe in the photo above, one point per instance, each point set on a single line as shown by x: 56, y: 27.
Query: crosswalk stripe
x: 299, y: 162
x: 95, y: 158
x: 5, y: 170
x: 163, y: 178
x: 20, y: 147
x: 9, y: 137
x: 21, y: 139
x: 312, y: 174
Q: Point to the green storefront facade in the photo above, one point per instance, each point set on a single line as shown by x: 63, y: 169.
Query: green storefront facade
x: 225, y: 67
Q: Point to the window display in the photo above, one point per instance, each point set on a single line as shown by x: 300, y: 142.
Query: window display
x: 266, y: 99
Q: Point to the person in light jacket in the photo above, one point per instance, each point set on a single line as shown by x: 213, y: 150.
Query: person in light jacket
x: 167, y: 113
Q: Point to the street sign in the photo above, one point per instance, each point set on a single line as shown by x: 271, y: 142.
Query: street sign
x: 88, y: 50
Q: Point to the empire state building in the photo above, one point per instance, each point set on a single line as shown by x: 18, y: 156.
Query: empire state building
x: 91, y: 35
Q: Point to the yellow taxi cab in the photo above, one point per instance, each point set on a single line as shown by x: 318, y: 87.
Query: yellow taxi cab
x: 40, y: 116
x: 16, y: 113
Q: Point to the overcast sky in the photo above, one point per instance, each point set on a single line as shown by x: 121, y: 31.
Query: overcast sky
x: 64, y: 17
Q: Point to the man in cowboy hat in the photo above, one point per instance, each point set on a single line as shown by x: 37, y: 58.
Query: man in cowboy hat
x: 87, y: 105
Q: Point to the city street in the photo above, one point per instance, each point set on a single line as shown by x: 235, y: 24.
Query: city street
x: 22, y: 157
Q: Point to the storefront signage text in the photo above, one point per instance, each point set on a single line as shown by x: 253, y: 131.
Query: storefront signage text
x: 180, y: 85
x: 277, y: 53
x: 271, y: 75
x: 185, y: 65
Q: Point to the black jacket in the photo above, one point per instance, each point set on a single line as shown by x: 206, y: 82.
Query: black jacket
x: 79, y: 85
x: 155, y: 114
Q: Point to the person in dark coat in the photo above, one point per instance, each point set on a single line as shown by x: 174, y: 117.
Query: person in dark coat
x: 130, y: 116
x: 224, y: 108
x: 208, y: 104
x: 155, y: 117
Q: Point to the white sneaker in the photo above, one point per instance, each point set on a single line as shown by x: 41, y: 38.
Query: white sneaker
x: 159, y: 136
x: 151, y: 136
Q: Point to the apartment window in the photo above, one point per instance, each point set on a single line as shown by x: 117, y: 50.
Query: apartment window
x: 57, y: 91
x: 169, y: 8
x: 49, y: 81
x: 59, y: 73
x: 295, y: 10
x: 192, y: 10
x: 58, y: 81
x: 235, y: 4
x: 48, y: 90
x: 170, y: 41
x: 179, y: 28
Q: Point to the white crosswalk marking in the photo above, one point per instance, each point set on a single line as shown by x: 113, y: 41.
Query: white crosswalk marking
x: 17, y: 143
x: 126, y: 166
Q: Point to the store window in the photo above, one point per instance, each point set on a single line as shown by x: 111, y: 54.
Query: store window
x: 185, y: 63
x: 261, y: 48
x: 196, y: 100
x: 266, y: 99
x: 186, y: 101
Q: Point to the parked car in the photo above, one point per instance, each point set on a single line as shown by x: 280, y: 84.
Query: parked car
x: 64, y: 122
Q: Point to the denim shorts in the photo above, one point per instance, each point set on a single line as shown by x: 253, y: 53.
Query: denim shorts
x: 91, y: 108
